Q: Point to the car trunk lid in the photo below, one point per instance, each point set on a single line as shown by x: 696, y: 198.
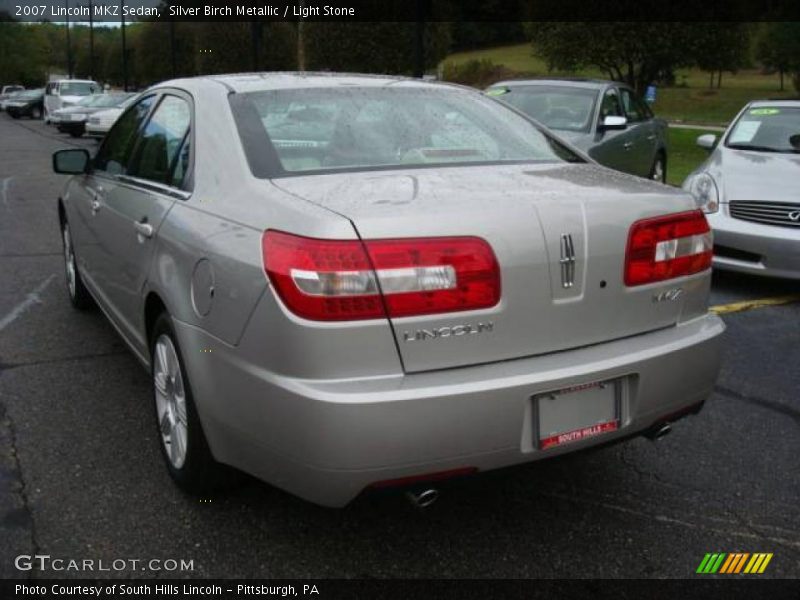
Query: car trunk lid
x: 559, y: 233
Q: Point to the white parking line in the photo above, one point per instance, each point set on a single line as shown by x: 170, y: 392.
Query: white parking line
x: 31, y: 299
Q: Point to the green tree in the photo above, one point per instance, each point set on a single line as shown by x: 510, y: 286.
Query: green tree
x: 778, y: 48
x: 380, y: 47
x: 721, y: 47
x: 637, y: 53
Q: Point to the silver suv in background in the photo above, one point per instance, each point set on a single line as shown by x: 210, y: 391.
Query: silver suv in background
x: 605, y: 119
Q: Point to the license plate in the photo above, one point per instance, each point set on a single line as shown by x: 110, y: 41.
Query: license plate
x: 577, y: 413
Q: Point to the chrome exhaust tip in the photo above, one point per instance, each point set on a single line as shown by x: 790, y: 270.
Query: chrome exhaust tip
x: 424, y: 498
x: 659, y: 431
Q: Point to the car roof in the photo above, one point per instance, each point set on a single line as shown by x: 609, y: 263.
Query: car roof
x: 777, y: 102
x: 249, y: 82
x: 73, y: 81
x: 578, y: 82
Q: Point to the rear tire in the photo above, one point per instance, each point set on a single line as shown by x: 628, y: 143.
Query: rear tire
x: 183, y: 444
x: 658, y: 172
x: 79, y: 296
x: 36, y: 113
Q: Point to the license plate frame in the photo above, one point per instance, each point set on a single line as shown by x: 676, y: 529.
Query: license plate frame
x: 576, y: 413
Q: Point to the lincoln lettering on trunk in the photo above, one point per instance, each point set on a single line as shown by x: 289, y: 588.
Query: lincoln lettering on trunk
x: 435, y: 333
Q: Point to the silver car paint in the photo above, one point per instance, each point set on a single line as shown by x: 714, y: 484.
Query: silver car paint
x: 325, y: 409
x: 755, y: 176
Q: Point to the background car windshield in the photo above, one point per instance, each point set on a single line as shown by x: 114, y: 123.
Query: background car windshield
x: 362, y: 127
x: 767, y: 129
x: 28, y: 94
x: 77, y: 89
x: 558, y: 107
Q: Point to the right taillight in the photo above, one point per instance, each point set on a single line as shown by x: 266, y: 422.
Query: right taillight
x: 341, y: 280
x: 667, y: 247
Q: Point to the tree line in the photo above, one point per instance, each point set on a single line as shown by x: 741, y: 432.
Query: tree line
x: 634, y: 52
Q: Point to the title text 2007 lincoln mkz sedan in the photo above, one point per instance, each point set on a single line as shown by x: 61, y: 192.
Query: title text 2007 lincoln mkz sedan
x: 348, y: 282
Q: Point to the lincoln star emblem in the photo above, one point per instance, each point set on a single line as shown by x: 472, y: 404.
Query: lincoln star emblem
x: 795, y: 216
x: 567, y: 261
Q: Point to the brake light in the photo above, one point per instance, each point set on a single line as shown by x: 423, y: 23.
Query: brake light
x: 339, y: 280
x: 667, y: 247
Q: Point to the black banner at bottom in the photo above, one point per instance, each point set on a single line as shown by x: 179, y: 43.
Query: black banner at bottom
x: 224, y: 589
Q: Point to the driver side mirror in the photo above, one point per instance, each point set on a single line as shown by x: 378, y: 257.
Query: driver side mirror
x: 707, y: 141
x: 73, y: 161
x: 613, y: 122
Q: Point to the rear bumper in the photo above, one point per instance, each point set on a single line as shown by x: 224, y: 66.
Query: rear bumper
x: 326, y: 441
x: 755, y: 248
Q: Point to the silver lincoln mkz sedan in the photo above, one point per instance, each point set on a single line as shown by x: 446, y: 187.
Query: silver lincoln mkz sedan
x: 348, y: 282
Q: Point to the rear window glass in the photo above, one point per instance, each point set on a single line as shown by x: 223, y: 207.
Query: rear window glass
x: 326, y: 129
x: 73, y: 88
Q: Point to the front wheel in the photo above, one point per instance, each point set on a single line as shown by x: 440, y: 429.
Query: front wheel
x: 78, y: 294
x: 658, y: 172
x: 183, y: 443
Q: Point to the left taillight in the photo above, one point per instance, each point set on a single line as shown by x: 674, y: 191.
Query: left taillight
x: 668, y: 247
x: 340, y: 280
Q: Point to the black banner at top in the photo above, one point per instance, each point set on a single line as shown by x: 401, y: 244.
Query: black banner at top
x: 396, y: 10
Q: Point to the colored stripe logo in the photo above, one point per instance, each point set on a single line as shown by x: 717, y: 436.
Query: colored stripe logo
x: 736, y: 562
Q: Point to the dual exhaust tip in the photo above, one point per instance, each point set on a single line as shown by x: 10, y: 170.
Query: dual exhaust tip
x: 659, y: 431
x: 425, y: 498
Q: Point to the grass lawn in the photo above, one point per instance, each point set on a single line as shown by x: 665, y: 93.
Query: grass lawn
x: 684, y: 154
x: 690, y: 100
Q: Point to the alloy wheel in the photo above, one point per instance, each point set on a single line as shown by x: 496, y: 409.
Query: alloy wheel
x: 170, y: 401
x: 69, y: 262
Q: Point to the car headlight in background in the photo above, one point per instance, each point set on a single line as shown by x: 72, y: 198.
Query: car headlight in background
x: 704, y: 191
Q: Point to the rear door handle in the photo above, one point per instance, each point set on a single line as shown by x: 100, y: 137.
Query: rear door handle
x: 627, y: 145
x: 651, y: 137
x: 144, y: 229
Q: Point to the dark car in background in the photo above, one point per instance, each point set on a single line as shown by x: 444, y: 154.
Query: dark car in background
x: 72, y: 120
x: 605, y: 119
x: 29, y: 103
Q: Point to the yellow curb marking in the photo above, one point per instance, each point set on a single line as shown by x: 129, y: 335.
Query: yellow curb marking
x: 723, y: 309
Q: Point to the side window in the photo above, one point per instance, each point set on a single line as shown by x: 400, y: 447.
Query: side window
x: 181, y: 162
x: 610, y: 106
x: 633, y: 109
x: 116, y: 149
x: 162, y: 141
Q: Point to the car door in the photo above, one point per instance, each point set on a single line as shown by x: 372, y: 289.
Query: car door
x: 88, y: 193
x: 612, y: 147
x: 135, y: 207
x: 642, y: 126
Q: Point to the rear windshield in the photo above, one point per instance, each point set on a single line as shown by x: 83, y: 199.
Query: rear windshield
x: 767, y: 129
x: 73, y: 88
x: 558, y: 107
x: 297, y: 131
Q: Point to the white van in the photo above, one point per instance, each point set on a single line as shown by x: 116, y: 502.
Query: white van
x: 66, y: 92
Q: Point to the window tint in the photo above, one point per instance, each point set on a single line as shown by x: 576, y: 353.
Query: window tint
x: 161, y: 141
x: 365, y: 127
x: 610, y: 106
x: 634, y: 109
x: 181, y: 162
x: 116, y: 149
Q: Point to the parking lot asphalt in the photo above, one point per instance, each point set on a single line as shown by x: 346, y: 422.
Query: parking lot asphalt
x: 81, y: 476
